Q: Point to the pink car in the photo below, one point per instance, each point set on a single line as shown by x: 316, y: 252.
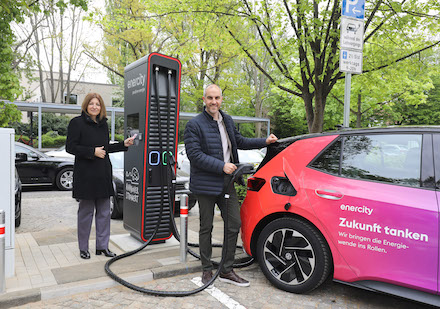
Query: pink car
x: 359, y: 205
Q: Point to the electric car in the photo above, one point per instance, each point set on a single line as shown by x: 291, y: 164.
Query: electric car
x: 341, y: 204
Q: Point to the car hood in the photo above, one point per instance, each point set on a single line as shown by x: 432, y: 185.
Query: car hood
x: 56, y: 159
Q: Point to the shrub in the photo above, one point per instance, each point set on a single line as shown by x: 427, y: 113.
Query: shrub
x: 52, y: 140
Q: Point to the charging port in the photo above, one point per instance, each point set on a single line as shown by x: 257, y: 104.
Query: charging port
x: 282, y: 185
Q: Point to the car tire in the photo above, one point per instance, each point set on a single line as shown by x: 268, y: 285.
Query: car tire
x: 18, y: 221
x: 191, y: 201
x: 115, y: 212
x: 64, y: 179
x: 293, y: 255
x: 18, y: 217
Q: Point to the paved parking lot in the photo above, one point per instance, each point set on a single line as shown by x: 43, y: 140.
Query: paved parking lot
x: 45, y: 209
x: 52, y: 213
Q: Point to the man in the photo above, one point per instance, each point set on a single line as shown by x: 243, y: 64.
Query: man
x: 211, y: 142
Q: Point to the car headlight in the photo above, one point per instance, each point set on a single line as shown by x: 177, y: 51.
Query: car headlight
x: 186, y: 185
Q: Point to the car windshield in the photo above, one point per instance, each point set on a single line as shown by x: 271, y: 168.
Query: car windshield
x: 31, y: 152
x: 117, y: 159
x: 249, y: 156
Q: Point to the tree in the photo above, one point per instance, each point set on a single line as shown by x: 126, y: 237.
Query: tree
x: 53, y: 36
x: 10, y: 10
x: 406, y: 82
x: 302, y: 37
x: 8, y: 114
x: 131, y: 34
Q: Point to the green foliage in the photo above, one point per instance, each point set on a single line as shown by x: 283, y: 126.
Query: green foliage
x: 51, y: 140
x: 10, y: 10
x: 119, y: 137
x: 425, y: 113
x: 8, y: 114
x: 287, y: 116
x: 52, y: 122
x: 241, y: 189
x: 294, y: 43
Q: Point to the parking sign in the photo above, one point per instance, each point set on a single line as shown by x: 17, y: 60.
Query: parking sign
x: 353, y: 8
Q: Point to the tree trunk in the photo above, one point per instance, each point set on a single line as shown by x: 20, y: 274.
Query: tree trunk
x: 318, y: 113
x: 308, y: 104
x: 37, y: 51
x: 203, y: 64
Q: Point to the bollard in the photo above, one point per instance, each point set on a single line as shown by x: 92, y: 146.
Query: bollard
x: 2, y: 251
x: 183, y: 227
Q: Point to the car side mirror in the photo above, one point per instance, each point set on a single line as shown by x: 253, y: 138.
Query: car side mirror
x: 34, y: 157
x: 20, y: 157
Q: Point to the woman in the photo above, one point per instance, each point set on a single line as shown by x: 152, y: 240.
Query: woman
x: 88, y: 140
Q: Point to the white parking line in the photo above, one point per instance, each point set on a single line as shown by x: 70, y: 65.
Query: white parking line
x: 219, y: 295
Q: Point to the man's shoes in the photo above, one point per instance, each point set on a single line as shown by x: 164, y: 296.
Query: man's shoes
x: 106, y: 252
x: 233, y: 278
x: 84, y: 254
x: 206, y: 276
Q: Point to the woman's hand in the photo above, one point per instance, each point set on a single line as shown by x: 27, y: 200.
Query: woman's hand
x: 129, y: 141
x: 100, y: 152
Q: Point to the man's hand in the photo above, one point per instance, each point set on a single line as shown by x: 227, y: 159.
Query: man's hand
x: 229, y: 168
x: 271, y: 139
x: 100, y: 152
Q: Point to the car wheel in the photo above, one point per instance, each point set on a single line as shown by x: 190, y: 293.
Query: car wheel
x: 64, y: 180
x: 18, y: 214
x: 114, y: 208
x: 18, y: 221
x: 293, y: 255
x: 191, y: 201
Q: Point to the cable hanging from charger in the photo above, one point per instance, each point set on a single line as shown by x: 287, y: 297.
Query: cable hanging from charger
x: 170, y: 161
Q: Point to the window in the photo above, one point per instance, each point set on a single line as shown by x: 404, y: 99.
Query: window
x: 391, y: 158
x: 328, y: 161
x: 30, y: 153
x: 117, y: 102
x: 73, y: 99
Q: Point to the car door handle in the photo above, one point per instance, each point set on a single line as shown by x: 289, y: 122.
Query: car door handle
x: 329, y: 194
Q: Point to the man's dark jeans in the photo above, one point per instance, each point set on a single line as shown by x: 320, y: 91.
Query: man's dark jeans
x: 206, y: 209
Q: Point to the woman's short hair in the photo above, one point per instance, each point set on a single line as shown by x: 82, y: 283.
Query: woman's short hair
x: 88, y: 98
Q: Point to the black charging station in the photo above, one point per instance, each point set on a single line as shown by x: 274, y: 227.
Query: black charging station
x: 151, y: 81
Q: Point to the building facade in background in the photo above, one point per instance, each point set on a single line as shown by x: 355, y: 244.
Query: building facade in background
x: 111, y: 93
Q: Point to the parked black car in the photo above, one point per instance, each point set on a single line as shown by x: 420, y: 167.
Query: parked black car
x: 38, y: 168
x: 117, y: 207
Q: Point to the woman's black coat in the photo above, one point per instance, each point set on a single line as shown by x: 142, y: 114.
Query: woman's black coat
x: 92, y: 176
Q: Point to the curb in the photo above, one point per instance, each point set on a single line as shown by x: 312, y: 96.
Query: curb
x: 23, y: 297
x: 19, y: 298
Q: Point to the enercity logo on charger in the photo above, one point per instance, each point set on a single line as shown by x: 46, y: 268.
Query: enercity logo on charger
x: 139, y: 80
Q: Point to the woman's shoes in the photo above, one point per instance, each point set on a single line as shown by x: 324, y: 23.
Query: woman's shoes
x: 106, y: 252
x: 84, y: 254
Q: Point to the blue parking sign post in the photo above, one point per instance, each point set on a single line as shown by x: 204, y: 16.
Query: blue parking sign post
x: 351, y: 45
